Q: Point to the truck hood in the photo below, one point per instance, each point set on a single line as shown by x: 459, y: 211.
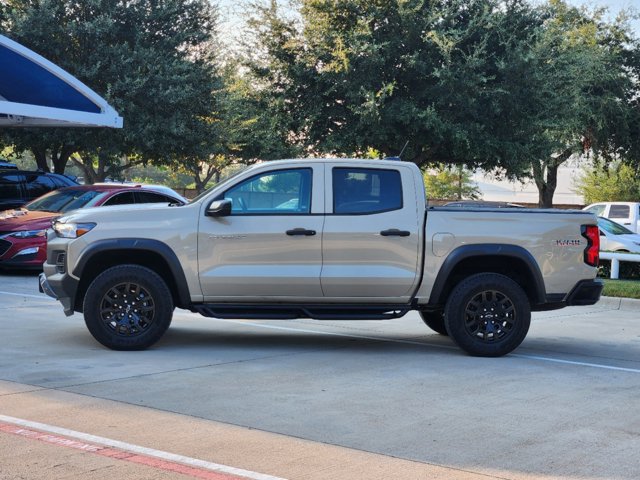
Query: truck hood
x: 111, y: 213
x: 21, y: 219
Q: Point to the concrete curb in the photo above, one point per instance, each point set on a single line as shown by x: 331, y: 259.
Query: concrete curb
x: 619, y: 303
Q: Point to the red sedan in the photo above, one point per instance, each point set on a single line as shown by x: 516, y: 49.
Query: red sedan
x: 23, y: 242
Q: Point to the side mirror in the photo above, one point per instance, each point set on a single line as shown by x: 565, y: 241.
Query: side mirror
x: 219, y: 208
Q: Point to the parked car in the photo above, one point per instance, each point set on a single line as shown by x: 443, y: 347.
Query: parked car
x: 617, y: 238
x: 17, y: 187
x: 624, y: 213
x: 23, y: 231
x: 5, y: 164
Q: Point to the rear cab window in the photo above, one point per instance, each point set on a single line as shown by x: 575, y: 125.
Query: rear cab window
x: 619, y: 211
x: 365, y: 191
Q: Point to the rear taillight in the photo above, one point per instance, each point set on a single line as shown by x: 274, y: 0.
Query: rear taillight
x: 592, y: 252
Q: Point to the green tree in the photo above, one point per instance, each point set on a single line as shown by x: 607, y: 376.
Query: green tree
x: 152, y: 60
x: 254, y: 125
x: 485, y: 83
x: 250, y: 124
x: 579, y: 93
x: 609, y: 183
x: 377, y: 74
x: 265, y: 83
x: 450, y: 183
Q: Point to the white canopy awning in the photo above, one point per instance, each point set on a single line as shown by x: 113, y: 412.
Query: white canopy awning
x: 36, y: 93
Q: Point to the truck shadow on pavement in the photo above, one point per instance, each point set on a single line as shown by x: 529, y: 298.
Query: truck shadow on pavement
x: 180, y: 338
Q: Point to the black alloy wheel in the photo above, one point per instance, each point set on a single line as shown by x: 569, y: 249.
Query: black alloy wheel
x: 488, y: 315
x: 128, y: 307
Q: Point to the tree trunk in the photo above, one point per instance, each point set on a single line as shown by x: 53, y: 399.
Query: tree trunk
x: 103, y: 161
x: 89, y: 175
x: 60, y: 158
x: 545, y: 175
x: 545, y: 194
x: 203, y: 178
x: 40, y: 154
x: 199, y: 183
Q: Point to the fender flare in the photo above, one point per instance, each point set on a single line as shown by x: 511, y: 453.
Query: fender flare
x: 465, y: 252
x: 138, y: 244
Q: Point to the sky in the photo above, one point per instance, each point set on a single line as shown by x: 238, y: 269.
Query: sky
x: 231, y: 11
x: 614, y: 6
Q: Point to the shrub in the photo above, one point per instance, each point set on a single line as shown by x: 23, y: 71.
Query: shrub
x: 628, y: 270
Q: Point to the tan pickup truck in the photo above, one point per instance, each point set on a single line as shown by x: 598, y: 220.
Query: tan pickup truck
x: 324, y: 239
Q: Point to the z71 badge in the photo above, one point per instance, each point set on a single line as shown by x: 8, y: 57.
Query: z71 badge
x: 568, y: 243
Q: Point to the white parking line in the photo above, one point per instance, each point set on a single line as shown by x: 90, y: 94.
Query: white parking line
x: 571, y: 362
x: 128, y: 447
x: 425, y: 344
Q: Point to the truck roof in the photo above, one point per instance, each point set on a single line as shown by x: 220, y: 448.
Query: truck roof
x: 373, y: 161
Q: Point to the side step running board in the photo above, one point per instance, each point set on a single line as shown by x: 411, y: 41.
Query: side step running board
x: 290, y: 312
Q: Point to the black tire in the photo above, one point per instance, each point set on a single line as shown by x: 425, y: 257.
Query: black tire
x: 435, y: 321
x: 128, y: 307
x: 487, y: 315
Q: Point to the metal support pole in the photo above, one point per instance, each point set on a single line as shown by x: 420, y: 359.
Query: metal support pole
x: 615, y: 268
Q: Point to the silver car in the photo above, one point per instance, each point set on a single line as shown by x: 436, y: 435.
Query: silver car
x: 617, y: 238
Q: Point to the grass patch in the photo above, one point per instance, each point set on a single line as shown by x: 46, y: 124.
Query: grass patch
x: 621, y: 288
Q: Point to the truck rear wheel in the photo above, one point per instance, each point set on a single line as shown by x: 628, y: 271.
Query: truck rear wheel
x: 487, y: 315
x: 128, y: 307
x: 435, y: 321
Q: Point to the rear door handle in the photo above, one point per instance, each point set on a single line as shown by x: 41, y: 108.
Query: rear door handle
x: 301, y: 231
x: 394, y: 232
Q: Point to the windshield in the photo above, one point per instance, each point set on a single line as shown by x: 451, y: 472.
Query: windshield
x: 62, y: 201
x: 612, y: 227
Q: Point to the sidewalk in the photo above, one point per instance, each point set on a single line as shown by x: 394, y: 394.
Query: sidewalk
x: 620, y: 303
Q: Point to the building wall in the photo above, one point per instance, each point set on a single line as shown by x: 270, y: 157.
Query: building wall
x: 527, y: 193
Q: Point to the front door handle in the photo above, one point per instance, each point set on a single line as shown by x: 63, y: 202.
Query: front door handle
x: 394, y: 232
x: 301, y: 231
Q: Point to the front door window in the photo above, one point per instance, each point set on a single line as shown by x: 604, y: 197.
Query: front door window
x: 273, y: 193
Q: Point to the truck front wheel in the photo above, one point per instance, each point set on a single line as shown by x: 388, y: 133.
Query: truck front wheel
x: 128, y: 307
x: 487, y: 315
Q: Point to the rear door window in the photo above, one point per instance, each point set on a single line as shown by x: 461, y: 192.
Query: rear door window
x: 152, y: 197
x: 10, y: 191
x: 123, y: 198
x: 358, y: 191
x: 62, y: 181
x: 38, y: 185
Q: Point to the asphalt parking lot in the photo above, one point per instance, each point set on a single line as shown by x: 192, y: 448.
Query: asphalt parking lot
x: 308, y: 399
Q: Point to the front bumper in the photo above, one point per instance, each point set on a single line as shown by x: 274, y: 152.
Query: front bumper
x: 55, y: 279
x: 61, y: 287
x: 44, y: 287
